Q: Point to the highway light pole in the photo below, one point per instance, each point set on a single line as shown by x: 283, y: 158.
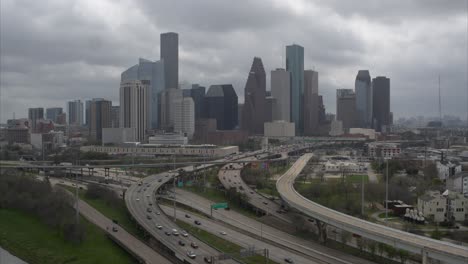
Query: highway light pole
x: 174, y: 183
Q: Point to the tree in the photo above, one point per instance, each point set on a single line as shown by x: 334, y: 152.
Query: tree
x: 403, y: 255
x: 381, y: 248
x: 320, y: 175
x: 372, y: 246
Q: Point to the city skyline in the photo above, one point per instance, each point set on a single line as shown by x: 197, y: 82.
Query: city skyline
x: 351, y: 41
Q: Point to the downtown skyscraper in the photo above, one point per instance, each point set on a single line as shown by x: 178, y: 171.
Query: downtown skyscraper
x: 170, y: 56
x: 295, y: 65
x: 75, y: 112
x: 281, y: 91
x: 363, y: 89
x: 253, y: 112
x: 134, y: 107
x: 381, y: 103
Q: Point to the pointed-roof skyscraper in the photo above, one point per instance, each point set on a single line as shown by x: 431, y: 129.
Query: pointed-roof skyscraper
x: 253, y: 112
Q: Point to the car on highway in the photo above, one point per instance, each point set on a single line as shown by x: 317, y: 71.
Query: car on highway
x: 194, y: 245
x: 182, y: 243
x: 159, y: 226
x: 150, y: 204
x: 114, y: 229
x: 160, y: 180
x: 175, y: 232
x: 265, y: 203
x: 223, y: 233
x: 288, y: 260
x: 197, y: 222
x: 148, y: 195
x: 184, y: 234
x: 207, y: 259
x: 149, y: 210
x: 148, y: 217
x: 187, y: 216
x: 191, y: 254
x: 138, y: 199
x: 167, y: 233
x: 157, y: 213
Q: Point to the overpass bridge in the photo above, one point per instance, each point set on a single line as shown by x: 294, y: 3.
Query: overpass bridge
x: 427, y: 247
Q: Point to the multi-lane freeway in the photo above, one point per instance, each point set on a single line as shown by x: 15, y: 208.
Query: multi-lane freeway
x: 435, y: 249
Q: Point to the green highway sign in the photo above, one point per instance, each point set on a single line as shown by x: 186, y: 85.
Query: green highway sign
x: 219, y: 205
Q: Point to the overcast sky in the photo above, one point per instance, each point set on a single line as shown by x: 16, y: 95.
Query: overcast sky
x: 55, y: 50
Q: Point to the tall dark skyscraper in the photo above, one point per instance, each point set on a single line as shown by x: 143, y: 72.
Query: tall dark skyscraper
x: 311, y: 103
x: 295, y: 65
x: 363, y: 89
x: 253, y: 112
x: 198, y: 95
x: 100, y: 117
x: 221, y: 104
x: 35, y: 114
x: 170, y: 55
x: 381, y: 102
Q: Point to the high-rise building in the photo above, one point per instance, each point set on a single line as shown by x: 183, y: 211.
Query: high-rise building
x: 87, y: 110
x: 253, y: 112
x: 167, y: 99
x: 311, y: 103
x: 346, y: 108
x: 154, y: 73
x: 100, y: 117
x: 75, y: 113
x: 197, y: 93
x: 185, y: 116
x: 363, y: 89
x: 35, y: 114
x: 53, y: 112
x: 134, y: 107
x: 295, y: 65
x: 170, y: 56
x: 381, y: 103
x: 221, y: 104
x: 115, y: 116
x: 281, y: 91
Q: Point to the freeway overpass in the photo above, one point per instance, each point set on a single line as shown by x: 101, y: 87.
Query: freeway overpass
x: 427, y: 247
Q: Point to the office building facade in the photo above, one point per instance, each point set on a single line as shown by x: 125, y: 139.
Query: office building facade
x: 363, y: 89
x: 75, y: 113
x: 100, y: 117
x: 115, y: 116
x: 311, y: 103
x: 221, y: 104
x: 346, y: 108
x: 253, y: 112
x: 34, y: 115
x: 295, y: 65
x: 152, y: 71
x: 170, y: 56
x: 134, y: 107
x: 381, y: 103
x: 167, y: 99
x: 197, y: 93
x: 281, y: 91
x: 53, y: 112
x: 184, y: 120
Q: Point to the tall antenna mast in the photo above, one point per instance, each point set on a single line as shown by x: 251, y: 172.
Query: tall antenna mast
x: 440, y: 105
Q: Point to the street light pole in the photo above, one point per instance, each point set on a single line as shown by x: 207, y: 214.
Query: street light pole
x: 174, y: 183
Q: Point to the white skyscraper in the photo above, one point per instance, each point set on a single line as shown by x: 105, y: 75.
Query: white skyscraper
x: 281, y: 91
x: 134, y: 97
x: 166, y: 105
x: 184, y: 116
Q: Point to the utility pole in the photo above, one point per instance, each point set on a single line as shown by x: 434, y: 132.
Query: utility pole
x: 386, y: 195
x: 174, y: 183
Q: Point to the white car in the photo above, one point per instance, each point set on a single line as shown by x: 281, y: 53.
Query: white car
x: 223, y: 233
x: 191, y: 254
x: 159, y: 226
x: 138, y: 199
x: 175, y: 232
x: 184, y: 234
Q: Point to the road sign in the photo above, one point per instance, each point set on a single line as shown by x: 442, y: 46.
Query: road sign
x: 219, y: 205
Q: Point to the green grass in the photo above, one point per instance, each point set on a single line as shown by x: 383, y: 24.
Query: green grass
x: 34, y: 242
x: 357, y: 178
x: 389, y: 214
x: 218, y: 196
x: 221, y: 244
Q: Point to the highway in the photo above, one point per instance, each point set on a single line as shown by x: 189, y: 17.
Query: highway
x: 138, y: 248
x: 428, y: 248
x: 257, y: 229
x: 277, y: 254
x: 138, y: 200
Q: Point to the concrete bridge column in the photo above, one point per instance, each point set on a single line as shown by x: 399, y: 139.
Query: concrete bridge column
x: 322, y: 231
x: 424, y: 256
